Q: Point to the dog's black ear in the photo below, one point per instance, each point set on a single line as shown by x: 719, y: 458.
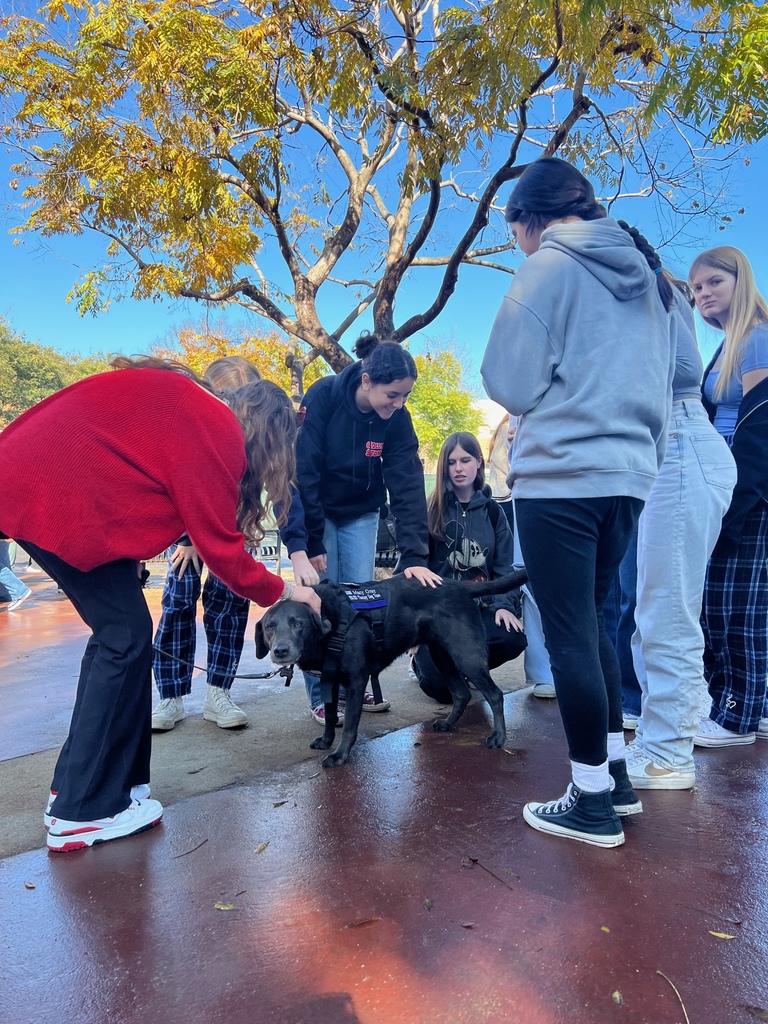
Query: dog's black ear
x: 261, y: 648
x: 322, y: 625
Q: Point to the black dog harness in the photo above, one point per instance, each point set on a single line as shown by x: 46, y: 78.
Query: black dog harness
x: 364, y: 598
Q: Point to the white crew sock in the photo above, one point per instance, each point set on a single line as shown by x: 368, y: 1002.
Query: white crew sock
x: 616, y: 746
x: 591, y: 778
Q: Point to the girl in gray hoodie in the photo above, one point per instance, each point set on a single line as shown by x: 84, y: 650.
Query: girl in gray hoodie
x: 581, y: 350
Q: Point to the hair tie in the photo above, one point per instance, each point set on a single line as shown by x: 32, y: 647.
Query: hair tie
x: 658, y: 270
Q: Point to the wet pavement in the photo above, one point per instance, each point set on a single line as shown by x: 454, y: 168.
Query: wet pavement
x: 402, y: 888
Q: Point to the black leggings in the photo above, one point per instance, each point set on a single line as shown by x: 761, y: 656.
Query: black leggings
x: 503, y: 646
x: 572, y: 549
x: 108, y: 747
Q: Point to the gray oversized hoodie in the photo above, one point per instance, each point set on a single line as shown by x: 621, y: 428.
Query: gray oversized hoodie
x: 582, y: 351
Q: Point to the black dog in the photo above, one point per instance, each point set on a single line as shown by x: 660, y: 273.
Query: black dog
x: 445, y: 618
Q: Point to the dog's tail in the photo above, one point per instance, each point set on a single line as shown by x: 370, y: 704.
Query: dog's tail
x: 502, y: 585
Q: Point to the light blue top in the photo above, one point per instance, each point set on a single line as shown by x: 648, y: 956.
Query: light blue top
x: 582, y: 351
x: 689, y: 367
x: 754, y: 356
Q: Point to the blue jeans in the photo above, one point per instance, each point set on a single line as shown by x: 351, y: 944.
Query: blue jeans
x: 677, y: 532
x: 351, y: 549
x: 535, y: 658
x: 620, y: 625
x: 9, y: 581
x: 572, y: 550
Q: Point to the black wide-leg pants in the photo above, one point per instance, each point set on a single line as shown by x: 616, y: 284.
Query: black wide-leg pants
x: 108, y: 747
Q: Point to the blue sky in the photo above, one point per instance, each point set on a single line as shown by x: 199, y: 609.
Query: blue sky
x: 38, y: 273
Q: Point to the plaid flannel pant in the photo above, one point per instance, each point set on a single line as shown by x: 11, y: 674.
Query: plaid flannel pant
x: 735, y: 623
x: 225, y: 617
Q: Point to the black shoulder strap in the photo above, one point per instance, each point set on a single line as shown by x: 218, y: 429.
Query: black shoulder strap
x: 493, y: 513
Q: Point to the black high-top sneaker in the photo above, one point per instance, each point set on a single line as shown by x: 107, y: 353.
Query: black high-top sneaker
x: 586, y: 817
x: 625, y: 799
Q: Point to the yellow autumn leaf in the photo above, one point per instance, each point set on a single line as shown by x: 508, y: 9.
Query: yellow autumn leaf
x: 604, y: 929
x: 224, y: 906
x: 261, y: 847
x: 722, y: 935
x: 617, y: 997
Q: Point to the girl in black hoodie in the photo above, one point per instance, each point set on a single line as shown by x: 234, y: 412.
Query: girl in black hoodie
x: 470, y: 539
x: 356, y: 443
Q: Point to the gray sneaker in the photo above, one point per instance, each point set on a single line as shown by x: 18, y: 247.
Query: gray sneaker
x: 168, y: 712
x: 545, y: 690
x: 221, y: 709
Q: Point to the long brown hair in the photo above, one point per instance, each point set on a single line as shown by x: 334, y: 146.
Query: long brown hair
x: 231, y: 372
x: 153, y: 363
x: 269, y: 426
x: 436, y: 501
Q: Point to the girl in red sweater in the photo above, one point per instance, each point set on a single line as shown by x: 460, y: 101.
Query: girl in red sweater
x: 115, y: 468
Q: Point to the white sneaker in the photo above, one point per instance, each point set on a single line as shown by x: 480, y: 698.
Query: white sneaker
x: 762, y: 729
x: 711, y: 734
x: 64, y: 836
x: 546, y: 690
x: 168, y: 712
x: 629, y: 722
x: 645, y: 773
x: 137, y: 793
x: 221, y: 709
x: 17, y: 601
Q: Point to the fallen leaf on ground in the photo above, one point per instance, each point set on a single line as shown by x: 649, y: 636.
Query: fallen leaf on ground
x: 261, y: 847
x: 30, y: 885
x: 618, y: 998
x: 224, y: 906
x: 280, y: 803
x: 361, y: 921
x: 429, y: 904
x: 757, y: 1012
x: 467, y: 924
x: 722, y: 935
x: 604, y: 929
x: 469, y: 862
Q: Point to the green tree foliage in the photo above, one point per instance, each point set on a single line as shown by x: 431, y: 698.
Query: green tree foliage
x: 441, y: 402
x: 265, y: 153
x: 30, y: 372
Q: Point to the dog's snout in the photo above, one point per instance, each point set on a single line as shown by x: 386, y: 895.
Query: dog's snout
x: 281, y: 651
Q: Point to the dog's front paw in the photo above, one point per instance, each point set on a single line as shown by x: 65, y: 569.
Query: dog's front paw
x: 334, y: 759
x: 441, y: 725
x: 321, y: 743
x: 495, y: 740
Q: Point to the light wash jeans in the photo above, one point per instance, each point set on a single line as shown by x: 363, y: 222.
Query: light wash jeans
x: 535, y: 658
x: 8, y: 578
x: 351, y: 551
x: 678, y: 530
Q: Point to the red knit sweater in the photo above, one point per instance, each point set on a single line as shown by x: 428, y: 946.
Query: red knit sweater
x: 120, y: 465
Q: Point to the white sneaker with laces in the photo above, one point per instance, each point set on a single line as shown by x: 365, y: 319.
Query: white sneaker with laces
x: 137, y: 793
x: 711, y: 734
x: 168, y: 712
x: 64, y: 836
x: 221, y: 709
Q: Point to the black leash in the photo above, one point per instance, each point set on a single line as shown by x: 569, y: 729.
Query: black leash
x: 285, y: 670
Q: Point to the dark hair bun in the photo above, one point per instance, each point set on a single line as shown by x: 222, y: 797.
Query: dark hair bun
x: 365, y: 344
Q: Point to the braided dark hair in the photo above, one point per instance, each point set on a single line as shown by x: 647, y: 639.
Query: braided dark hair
x: 384, y: 361
x: 550, y: 189
x: 653, y: 260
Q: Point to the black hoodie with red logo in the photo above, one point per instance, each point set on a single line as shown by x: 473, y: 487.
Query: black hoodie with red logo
x: 348, y: 460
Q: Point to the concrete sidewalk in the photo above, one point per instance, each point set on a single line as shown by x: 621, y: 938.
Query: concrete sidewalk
x: 402, y: 888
